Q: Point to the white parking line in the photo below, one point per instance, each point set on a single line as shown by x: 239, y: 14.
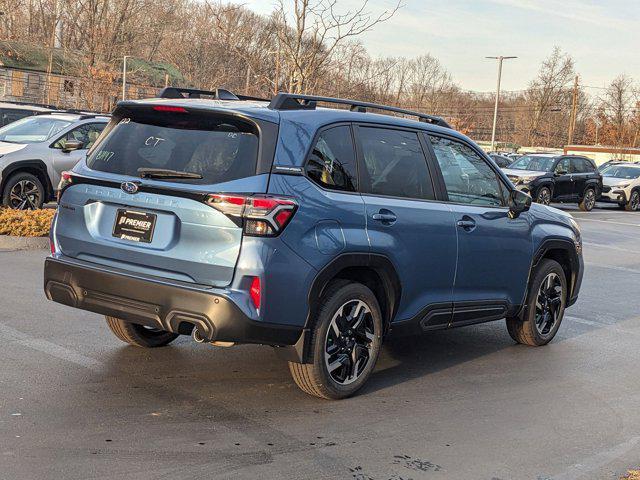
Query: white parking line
x: 613, y: 267
x: 598, y: 460
x: 610, y: 247
x: 583, y: 219
x: 49, y: 348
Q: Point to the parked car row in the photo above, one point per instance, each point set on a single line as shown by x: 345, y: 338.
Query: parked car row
x: 557, y: 178
x: 574, y: 179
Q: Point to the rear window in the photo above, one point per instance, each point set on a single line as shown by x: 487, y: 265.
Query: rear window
x: 219, y: 149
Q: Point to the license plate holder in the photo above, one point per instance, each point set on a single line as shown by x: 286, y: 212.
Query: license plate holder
x: 134, y: 226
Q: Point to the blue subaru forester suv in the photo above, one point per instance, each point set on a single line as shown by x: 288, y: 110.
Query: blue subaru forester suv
x: 318, y: 231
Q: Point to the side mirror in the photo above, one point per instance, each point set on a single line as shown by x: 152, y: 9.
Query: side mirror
x: 71, y: 145
x: 518, y: 202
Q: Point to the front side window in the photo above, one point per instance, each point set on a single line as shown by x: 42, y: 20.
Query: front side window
x: 394, y: 164
x: 467, y: 177
x: 213, y: 149
x: 563, y: 167
x: 87, y: 134
x: 32, y: 129
x: 332, y: 163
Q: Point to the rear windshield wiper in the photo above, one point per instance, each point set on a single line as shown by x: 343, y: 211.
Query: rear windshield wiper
x: 164, y: 173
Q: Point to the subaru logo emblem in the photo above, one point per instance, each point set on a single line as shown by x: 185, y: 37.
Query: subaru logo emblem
x: 129, y: 187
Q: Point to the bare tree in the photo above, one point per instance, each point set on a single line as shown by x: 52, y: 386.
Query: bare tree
x: 617, y: 104
x: 546, y: 96
x: 316, y: 29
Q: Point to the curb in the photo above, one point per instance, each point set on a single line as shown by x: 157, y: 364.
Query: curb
x: 12, y: 243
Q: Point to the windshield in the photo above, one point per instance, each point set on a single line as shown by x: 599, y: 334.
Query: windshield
x: 537, y: 164
x: 212, y: 149
x: 32, y: 129
x: 621, y: 171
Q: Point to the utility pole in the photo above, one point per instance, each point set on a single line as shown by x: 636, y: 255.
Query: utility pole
x: 124, y: 77
x: 574, y: 112
x: 247, y: 80
x: 495, y: 110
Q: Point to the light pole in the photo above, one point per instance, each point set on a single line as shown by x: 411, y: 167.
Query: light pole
x: 124, y: 76
x: 495, y: 110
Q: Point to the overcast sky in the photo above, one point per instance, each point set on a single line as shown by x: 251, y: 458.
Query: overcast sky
x: 602, y: 36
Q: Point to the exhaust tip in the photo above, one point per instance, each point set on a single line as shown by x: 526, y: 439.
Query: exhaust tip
x: 197, y: 336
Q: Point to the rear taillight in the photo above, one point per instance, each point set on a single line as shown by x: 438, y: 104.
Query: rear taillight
x: 65, y: 180
x: 255, y: 292
x: 261, y: 215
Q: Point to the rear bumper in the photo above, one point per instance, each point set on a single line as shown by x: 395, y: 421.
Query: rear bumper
x: 172, y: 306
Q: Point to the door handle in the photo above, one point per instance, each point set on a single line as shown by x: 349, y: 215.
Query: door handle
x: 385, y: 216
x: 467, y: 223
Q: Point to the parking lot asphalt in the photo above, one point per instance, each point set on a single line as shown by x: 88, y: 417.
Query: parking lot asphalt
x: 76, y: 403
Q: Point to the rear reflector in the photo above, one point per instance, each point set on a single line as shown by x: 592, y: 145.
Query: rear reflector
x: 262, y: 215
x: 255, y: 292
x: 65, y: 180
x: 169, y: 108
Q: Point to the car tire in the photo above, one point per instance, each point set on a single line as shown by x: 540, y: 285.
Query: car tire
x: 23, y: 191
x: 544, y: 195
x: 344, y: 346
x: 546, y: 301
x: 588, y: 200
x: 633, y: 205
x: 139, y: 335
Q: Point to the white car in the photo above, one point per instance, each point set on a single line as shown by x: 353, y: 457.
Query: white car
x: 621, y: 185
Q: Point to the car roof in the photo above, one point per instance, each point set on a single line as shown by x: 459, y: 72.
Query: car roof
x: 24, y: 106
x: 314, y: 118
x: 623, y: 162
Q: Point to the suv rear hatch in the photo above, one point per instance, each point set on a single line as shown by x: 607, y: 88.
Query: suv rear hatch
x: 156, y: 195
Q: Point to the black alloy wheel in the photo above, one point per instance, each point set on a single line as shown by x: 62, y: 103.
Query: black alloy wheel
x: 548, y: 304
x: 348, y: 342
x: 544, y: 196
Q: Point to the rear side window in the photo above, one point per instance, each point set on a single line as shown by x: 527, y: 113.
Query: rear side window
x: 332, y: 163
x: 582, y: 165
x: 218, y: 149
x: 394, y: 164
x: 467, y: 177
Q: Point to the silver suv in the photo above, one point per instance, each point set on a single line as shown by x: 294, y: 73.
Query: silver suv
x: 34, y: 151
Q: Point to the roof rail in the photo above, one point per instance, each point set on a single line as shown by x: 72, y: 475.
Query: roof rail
x: 94, y: 115
x: 217, y: 94
x: 82, y: 113
x: 291, y: 101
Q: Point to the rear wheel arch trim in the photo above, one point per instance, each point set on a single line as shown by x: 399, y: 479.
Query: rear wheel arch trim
x: 27, y: 166
x: 300, y: 352
x: 380, y: 264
